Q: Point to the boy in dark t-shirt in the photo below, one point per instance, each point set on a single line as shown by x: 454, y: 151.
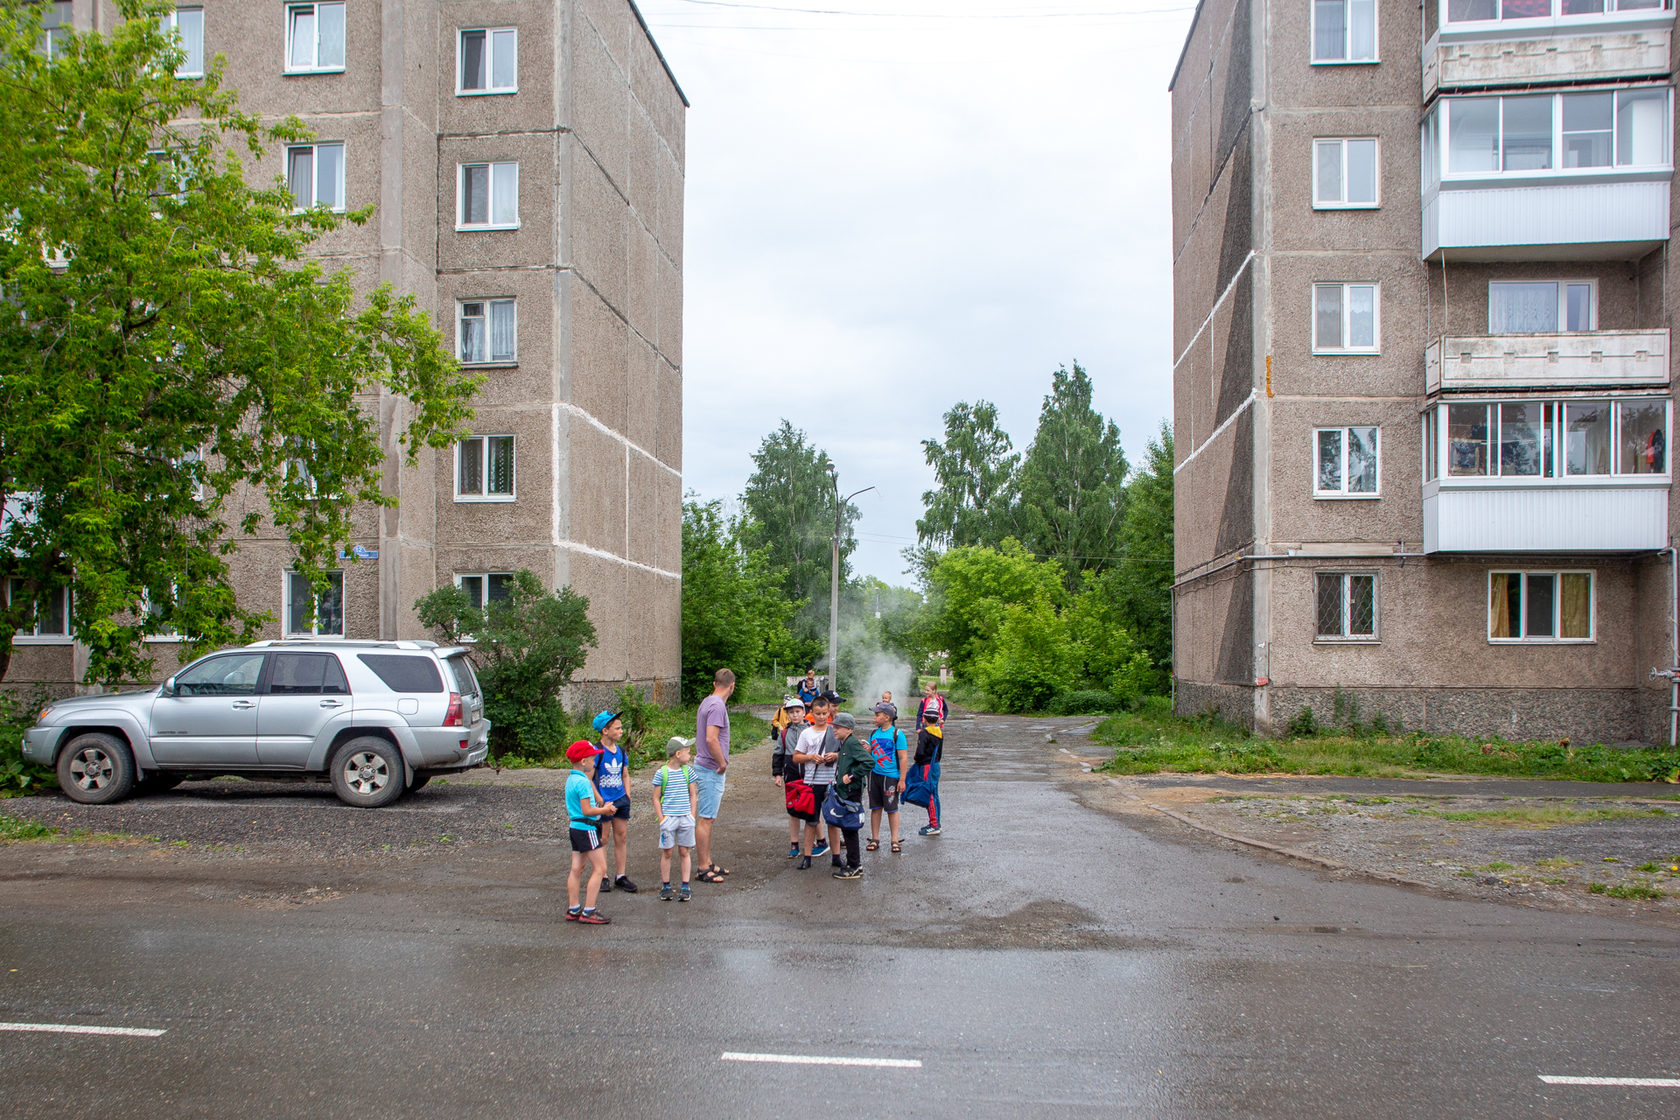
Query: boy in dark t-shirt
x: 930, y: 747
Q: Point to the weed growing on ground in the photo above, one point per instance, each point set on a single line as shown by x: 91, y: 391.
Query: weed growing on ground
x: 11, y: 828
x: 1628, y: 890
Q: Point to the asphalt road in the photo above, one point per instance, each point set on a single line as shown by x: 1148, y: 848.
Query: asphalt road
x: 1041, y: 957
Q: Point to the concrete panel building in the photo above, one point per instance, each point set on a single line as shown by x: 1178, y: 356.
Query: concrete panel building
x: 1423, y: 365
x: 525, y: 163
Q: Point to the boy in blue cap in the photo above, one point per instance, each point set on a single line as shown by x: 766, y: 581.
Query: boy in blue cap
x: 612, y: 778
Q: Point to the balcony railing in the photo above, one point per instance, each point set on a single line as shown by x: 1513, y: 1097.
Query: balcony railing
x: 1491, y: 43
x: 1519, y: 361
x: 1493, y: 515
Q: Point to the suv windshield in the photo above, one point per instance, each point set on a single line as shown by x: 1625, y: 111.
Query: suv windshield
x: 466, y: 682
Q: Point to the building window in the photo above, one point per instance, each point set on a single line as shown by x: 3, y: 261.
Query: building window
x: 56, y: 27
x: 483, y: 588
x: 1540, y: 606
x: 1557, y: 439
x: 156, y: 607
x: 188, y: 23
x: 1344, y: 30
x: 1345, y: 319
x: 314, y: 37
x: 1553, y: 133
x: 1486, y: 11
x: 315, y: 174
x: 1345, y: 463
x: 1542, y: 306
x: 1344, y: 174
x: 487, y: 331
x: 328, y: 604
x: 484, y: 469
x: 49, y: 616
x: 489, y: 61
x: 1347, y: 606
x: 489, y: 196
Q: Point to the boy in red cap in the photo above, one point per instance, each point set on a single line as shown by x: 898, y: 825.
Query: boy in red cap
x: 583, y: 806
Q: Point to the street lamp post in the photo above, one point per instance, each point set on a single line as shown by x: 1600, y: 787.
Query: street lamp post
x: 834, y: 581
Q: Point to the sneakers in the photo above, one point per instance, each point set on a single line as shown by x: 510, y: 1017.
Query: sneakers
x: 929, y: 830
x: 606, y: 885
x: 849, y: 873
x: 665, y: 893
x: 624, y: 884
x: 805, y: 863
x: 793, y: 850
x: 685, y: 894
x: 572, y: 915
x: 835, y: 862
x: 594, y: 918
x: 821, y: 849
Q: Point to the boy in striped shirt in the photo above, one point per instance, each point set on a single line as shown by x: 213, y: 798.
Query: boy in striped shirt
x: 674, y: 798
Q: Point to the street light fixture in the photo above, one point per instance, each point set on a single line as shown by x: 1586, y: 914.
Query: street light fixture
x: 834, y: 581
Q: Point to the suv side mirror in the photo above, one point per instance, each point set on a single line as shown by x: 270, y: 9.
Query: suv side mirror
x: 168, y: 688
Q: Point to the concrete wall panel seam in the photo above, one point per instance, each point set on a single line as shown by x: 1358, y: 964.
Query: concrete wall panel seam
x: 576, y: 546
x: 1213, y: 435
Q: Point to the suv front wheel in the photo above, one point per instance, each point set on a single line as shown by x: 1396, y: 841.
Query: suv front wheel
x: 367, y: 772
x: 96, y: 769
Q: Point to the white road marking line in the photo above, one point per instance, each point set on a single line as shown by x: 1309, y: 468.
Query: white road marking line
x: 1629, y: 1082
x: 818, y: 1060
x: 71, y: 1028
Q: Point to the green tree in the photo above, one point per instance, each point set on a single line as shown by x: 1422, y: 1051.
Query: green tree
x: 974, y: 475
x: 734, y: 612
x: 1110, y: 656
x: 1072, y: 481
x: 789, y: 514
x: 970, y: 590
x: 187, y: 375
x: 1029, y: 660
x: 1141, y: 582
x: 526, y: 647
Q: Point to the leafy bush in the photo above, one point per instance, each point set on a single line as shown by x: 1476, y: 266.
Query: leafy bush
x: 526, y: 648
x: 1030, y: 661
x: 1304, y: 723
x: 1084, y: 701
x: 18, y: 776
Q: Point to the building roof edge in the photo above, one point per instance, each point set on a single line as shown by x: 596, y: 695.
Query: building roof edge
x: 1182, y: 51
x: 676, y: 85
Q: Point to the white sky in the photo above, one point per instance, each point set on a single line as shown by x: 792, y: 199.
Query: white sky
x: 894, y: 205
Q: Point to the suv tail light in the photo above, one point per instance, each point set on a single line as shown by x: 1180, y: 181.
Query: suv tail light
x: 452, y: 717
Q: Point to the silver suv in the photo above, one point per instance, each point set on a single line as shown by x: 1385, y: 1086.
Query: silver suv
x: 377, y: 718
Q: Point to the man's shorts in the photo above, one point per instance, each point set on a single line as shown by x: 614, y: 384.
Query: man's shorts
x: 585, y: 839
x: 709, y: 785
x: 883, y: 792
x: 676, y: 832
x: 623, y: 807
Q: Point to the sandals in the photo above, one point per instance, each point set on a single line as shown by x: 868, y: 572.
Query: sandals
x: 720, y: 872
x: 707, y: 875
x: 898, y: 845
x: 873, y: 845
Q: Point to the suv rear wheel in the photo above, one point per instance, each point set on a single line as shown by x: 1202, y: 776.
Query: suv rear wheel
x: 367, y: 772
x: 96, y: 769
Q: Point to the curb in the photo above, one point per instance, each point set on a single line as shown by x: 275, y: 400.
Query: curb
x: 1276, y: 849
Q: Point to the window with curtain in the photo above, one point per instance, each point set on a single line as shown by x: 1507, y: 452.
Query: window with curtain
x: 1346, y: 462
x: 484, y: 469
x: 1550, y: 439
x: 486, y: 331
x: 1345, y: 318
x: 1541, y: 306
x: 328, y: 605
x: 1344, y: 173
x: 489, y: 61
x: 489, y: 196
x: 314, y: 37
x: 1586, y: 437
x: 1540, y: 606
x: 188, y: 23
x: 483, y: 588
x: 1344, y: 30
x: 315, y: 174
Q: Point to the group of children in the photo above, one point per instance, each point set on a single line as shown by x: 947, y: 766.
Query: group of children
x: 821, y: 753
x: 819, y: 756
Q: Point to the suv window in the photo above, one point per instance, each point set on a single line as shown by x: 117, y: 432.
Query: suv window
x: 307, y: 674
x: 466, y: 681
x: 404, y: 673
x: 234, y: 675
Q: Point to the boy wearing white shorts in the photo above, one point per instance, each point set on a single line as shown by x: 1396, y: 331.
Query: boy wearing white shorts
x: 675, y: 795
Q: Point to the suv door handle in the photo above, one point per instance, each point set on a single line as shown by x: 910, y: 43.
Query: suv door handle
x: 241, y: 705
x: 332, y: 703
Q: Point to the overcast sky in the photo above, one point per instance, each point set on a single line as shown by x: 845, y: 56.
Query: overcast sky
x: 890, y: 211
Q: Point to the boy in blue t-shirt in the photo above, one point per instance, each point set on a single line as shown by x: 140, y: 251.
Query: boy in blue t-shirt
x: 583, y: 808
x: 675, y: 795
x: 612, y: 778
x: 886, y: 780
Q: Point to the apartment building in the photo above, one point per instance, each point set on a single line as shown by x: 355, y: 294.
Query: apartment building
x: 525, y: 162
x: 1423, y: 371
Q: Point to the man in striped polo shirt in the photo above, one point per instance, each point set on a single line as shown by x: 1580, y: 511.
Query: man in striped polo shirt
x: 674, y: 797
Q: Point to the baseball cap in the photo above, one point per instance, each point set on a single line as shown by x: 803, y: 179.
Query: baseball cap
x: 581, y: 750
x: 600, y: 722
x: 677, y: 743
x: 883, y: 706
x: 831, y: 696
x: 792, y: 702
x: 844, y: 719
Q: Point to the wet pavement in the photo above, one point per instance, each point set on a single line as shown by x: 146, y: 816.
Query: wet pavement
x: 1059, y: 949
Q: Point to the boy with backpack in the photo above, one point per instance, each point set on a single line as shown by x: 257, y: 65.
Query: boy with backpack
x: 851, y: 774
x: 674, y: 796
x: 816, y: 752
x: 930, y: 746
x: 782, y: 768
x: 886, y: 779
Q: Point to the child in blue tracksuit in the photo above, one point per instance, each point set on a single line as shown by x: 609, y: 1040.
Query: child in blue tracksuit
x: 930, y: 746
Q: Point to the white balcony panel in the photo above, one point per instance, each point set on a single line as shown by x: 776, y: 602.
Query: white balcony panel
x: 1614, y: 359
x: 1617, y: 220
x: 1611, y: 518
x: 1603, y: 55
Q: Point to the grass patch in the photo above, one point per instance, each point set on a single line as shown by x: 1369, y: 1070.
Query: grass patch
x: 11, y: 828
x: 1556, y: 863
x: 1152, y: 740
x: 1535, y: 816
x: 1499, y: 865
x: 1628, y: 890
